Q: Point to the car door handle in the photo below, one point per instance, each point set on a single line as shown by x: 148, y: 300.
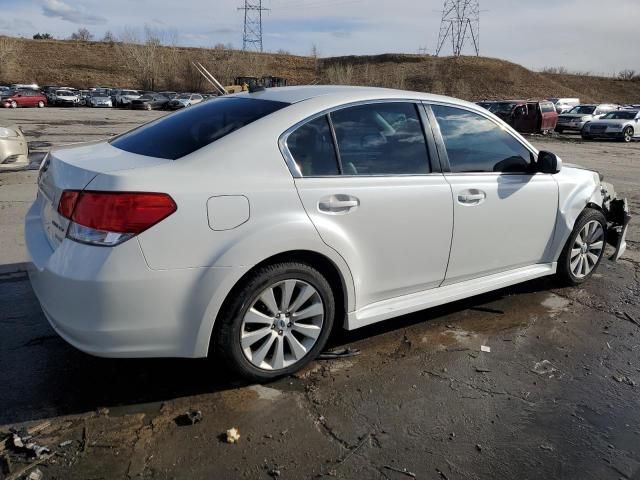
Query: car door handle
x: 472, y: 197
x: 338, y: 204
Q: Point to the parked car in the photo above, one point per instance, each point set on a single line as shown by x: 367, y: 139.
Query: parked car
x: 100, y: 98
x: 169, y: 95
x: 14, y: 149
x: 84, y: 97
x: 23, y: 98
x: 564, y: 104
x: 184, y: 100
x: 526, y: 116
x: 150, y: 101
x: 66, y: 98
x: 621, y: 124
x: 123, y: 98
x: 249, y: 226
x: 576, y: 118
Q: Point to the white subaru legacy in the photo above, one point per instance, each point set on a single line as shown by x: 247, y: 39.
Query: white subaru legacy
x: 252, y: 225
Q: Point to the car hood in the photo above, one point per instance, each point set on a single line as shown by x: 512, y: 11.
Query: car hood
x: 576, y: 115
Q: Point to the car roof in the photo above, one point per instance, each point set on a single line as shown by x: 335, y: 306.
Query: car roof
x: 339, y: 92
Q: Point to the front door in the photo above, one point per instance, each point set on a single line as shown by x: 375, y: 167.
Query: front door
x: 366, y: 182
x: 504, y: 210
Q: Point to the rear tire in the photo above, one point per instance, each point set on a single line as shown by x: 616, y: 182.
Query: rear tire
x: 559, y: 130
x: 14, y: 104
x: 275, y: 343
x: 584, y: 249
x: 627, y: 134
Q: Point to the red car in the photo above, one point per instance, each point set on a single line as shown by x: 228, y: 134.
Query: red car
x: 526, y: 116
x: 23, y: 98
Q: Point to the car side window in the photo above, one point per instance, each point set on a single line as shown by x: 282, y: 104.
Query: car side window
x: 381, y: 139
x: 476, y: 144
x: 311, y: 147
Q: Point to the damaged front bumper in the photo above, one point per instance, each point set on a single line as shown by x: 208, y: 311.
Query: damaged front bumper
x: 618, y: 216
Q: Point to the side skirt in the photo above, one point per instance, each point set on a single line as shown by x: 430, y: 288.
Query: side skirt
x: 379, y: 311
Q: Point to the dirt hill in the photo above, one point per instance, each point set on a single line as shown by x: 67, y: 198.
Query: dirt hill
x: 84, y: 64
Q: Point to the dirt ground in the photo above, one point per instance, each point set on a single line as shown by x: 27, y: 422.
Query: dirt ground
x: 557, y: 396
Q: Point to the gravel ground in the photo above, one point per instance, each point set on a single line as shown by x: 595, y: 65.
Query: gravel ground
x: 556, y: 397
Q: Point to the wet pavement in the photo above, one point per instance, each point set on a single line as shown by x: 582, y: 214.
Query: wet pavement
x: 557, y: 395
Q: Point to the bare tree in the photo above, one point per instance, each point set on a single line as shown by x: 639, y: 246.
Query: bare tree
x: 109, y: 37
x: 627, y: 74
x: 82, y: 35
x: 144, y: 54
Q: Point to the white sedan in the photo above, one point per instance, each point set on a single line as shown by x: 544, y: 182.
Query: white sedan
x: 251, y: 225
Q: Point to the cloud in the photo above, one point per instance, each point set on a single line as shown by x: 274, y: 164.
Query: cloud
x: 64, y: 11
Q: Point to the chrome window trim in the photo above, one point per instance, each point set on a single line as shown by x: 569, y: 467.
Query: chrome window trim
x: 293, y: 166
x: 503, y: 125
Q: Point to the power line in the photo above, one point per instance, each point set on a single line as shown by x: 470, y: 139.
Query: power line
x: 252, y: 33
x: 461, y: 25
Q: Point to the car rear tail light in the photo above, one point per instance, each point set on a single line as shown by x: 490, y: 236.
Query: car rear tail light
x: 110, y: 218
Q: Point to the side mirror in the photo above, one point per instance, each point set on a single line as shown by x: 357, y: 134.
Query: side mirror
x: 549, y: 162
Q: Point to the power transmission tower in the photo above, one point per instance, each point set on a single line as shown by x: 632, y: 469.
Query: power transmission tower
x: 461, y: 25
x: 252, y: 36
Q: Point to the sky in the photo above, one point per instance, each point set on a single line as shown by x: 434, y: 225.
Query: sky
x: 594, y: 36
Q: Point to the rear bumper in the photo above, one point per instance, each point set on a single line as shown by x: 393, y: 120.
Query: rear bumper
x: 107, y: 302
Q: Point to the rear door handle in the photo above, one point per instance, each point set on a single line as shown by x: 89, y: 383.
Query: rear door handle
x: 338, y: 204
x: 472, y: 197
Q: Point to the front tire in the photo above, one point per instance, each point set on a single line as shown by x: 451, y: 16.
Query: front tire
x: 14, y: 104
x: 277, y: 322
x: 584, y: 249
x: 40, y: 104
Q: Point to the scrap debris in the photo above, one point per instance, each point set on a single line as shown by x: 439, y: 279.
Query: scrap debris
x: 624, y: 379
x: 21, y: 441
x: 544, y: 367
x: 342, y: 353
x: 484, y: 348
x: 233, y: 435
x: 404, y: 471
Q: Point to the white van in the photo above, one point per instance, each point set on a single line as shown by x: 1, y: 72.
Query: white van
x: 564, y: 104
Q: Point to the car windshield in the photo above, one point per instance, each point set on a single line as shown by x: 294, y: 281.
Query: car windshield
x: 582, y: 110
x: 129, y: 92
x: 184, y: 96
x: 502, y: 107
x: 182, y: 133
x: 621, y: 115
x: 64, y: 93
x: 146, y: 97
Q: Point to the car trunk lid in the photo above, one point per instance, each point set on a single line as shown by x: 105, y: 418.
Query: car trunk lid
x: 73, y: 169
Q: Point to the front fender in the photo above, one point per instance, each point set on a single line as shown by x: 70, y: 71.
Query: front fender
x: 577, y: 188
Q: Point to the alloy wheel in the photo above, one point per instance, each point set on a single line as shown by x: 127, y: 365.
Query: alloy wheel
x: 587, y: 249
x: 282, y: 325
x: 628, y: 134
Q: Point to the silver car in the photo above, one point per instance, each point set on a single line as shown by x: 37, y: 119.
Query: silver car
x: 100, y: 99
x: 622, y: 125
x: 576, y: 118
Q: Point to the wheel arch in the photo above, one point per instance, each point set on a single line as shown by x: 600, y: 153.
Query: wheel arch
x: 339, y: 279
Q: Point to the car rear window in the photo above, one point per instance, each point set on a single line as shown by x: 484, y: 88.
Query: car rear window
x: 188, y: 130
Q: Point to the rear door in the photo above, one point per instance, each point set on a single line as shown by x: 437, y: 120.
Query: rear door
x: 366, y: 178
x: 504, y: 211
